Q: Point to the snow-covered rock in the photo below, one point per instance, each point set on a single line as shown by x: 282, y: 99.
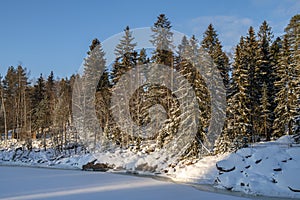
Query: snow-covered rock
x: 225, y: 166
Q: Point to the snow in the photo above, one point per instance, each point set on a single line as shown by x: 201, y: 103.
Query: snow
x: 203, y: 171
x: 266, y: 168
x: 19, y: 183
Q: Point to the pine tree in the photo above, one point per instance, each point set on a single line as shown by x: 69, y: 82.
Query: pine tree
x: 23, y: 106
x: 62, y: 113
x: 12, y: 96
x: 9, y: 88
x: 3, y: 118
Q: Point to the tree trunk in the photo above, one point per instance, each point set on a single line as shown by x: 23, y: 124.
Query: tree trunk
x: 44, y: 134
x: 5, y: 119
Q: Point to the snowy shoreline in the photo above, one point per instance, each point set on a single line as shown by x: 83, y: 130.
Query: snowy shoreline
x: 202, y: 187
x: 263, y: 171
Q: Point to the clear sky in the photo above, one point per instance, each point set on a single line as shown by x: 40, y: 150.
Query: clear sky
x: 45, y: 35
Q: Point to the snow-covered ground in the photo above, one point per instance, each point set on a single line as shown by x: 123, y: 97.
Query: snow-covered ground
x: 19, y: 183
x: 268, y: 169
x: 271, y: 169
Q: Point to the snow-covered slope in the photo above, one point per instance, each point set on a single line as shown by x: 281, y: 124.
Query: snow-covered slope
x: 270, y: 169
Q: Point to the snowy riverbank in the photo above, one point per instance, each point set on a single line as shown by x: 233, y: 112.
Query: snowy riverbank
x: 268, y: 169
x: 31, y: 183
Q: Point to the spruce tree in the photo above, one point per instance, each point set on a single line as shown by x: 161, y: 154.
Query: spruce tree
x: 287, y: 97
x: 253, y: 93
x: 188, y: 61
x: 39, y: 104
x: 292, y: 34
x: 126, y: 44
x: 50, y: 95
x: 182, y: 48
x: 125, y: 55
x: 264, y: 75
x: 275, y: 51
x: 213, y: 46
x: 240, y: 123
x: 162, y: 40
x: 142, y: 57
x: 265, y: 113
x: 293, y: 38
x: 94, y: 66
x: 126, y: 59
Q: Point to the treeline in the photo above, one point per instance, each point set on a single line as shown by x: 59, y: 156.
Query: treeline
x: 263, y: 96
x: 262, y: 90
x: 35, y: 110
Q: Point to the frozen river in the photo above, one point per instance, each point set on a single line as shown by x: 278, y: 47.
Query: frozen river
x: 39, y: 183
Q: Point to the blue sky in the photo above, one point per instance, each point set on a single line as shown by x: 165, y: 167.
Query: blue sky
x: 45, y: 35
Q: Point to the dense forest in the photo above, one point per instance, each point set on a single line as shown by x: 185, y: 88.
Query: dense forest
x: 261, y: 78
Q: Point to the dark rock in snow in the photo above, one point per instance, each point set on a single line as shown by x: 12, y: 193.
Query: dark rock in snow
x: 277, y: 169
x: 19, y: 149
x: 293, y: 189
x: 92, y: 166
x: 228, y: 188
x: 225, y: 166
x: 102, y: 167
x: 274, y: 180
x: 217, y: 180
x: 146, y: 167
x: 258, y: 161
